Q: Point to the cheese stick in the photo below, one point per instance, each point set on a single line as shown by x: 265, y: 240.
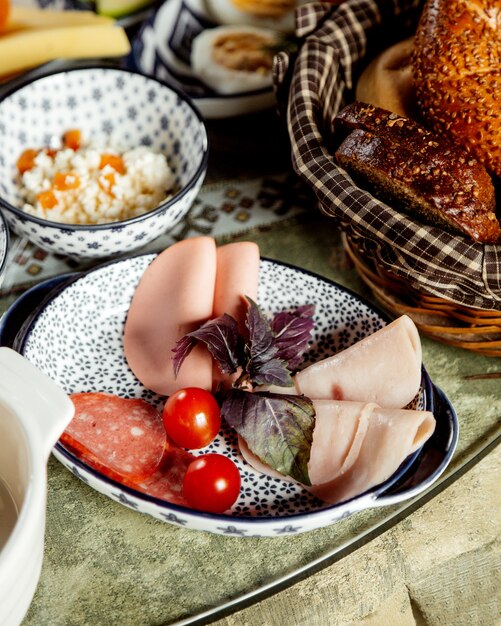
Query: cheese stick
x: 31, y: 18
x: 25, y: 49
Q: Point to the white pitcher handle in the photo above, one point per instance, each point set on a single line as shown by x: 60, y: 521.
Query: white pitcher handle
x: 43, y: 408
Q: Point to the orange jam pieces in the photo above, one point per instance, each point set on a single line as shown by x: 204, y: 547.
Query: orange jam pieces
x: 72, y: 139
x: 106, y: 182
x: 47, y: 199
x: 114, y: 161
x: 4, y: 13
x: 26, y: 161
x: 66, y: 180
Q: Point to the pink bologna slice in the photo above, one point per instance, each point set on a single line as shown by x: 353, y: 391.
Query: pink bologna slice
x: 123, y: 438
x: 174, y: 297
x: 356, y: 446
x: 237, y: 276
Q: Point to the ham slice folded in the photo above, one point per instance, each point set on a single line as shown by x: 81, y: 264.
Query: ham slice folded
x: 384, y: 368
x: 356, y: 446
x: 174, y: 297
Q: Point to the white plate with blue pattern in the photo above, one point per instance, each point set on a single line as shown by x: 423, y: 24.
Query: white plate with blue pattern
x: 75, y: 337
x: 162, y: 48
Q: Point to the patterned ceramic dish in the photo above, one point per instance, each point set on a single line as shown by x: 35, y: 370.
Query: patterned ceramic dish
x: 86, y: 354
x: 116, y: 107
x: 162, y: 48
x: 23, y: 307
x: 4, y: 245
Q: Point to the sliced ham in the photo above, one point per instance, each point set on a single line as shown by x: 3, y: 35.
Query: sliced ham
x: 384, y: 368
x: 356, y: 446
x: 237, y: 276
x: 122, y: 438
x: 174, y: 296
x: 383, y: 439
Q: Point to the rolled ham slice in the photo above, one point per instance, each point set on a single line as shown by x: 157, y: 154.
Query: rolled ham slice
x: 384, y: 368
x: 237, y: 276
x: 356, y: 446
x: 174, y: 297
x: 382, y: 440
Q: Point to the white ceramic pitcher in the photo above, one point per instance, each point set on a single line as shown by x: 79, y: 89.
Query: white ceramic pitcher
x: 33, y: 414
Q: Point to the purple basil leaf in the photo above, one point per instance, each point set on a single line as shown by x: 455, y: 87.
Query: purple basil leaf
x: 221, y: 337
x: 263, y: 366
x: 181, y: 350
x: 277, y: 428
x: 270, y: 372
x: 292, y: 333
x: 260, y: 335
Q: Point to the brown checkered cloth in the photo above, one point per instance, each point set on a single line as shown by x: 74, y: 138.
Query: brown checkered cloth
x: 312, y: 85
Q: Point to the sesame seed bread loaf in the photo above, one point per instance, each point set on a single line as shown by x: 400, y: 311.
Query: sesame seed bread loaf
x: 402, y: 162
x: 457, y: 74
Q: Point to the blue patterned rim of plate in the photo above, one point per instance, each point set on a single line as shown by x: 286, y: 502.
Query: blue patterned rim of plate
x: 4, y: 244
x: 26, y: 305
x: 267, y: 506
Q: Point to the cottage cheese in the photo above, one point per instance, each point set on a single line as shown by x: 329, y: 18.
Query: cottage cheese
x: 101, y: 194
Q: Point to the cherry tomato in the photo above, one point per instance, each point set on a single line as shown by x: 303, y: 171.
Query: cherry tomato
x: 192, y: 417
x: 211, y: 483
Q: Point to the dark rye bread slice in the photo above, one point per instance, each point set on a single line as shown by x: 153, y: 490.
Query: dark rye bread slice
x: 471, y: 176
x: 395, y: 173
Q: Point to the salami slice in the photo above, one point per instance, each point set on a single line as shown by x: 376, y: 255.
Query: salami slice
x: 122, y: 438
x: 85, y: 455
x: 167, y: 482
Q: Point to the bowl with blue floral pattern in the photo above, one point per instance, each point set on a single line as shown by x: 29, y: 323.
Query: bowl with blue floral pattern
x: 98, y: 161
x: 76, y: 337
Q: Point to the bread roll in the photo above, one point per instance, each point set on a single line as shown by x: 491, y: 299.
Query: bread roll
x: 457, y: 74
x: 387, y: 81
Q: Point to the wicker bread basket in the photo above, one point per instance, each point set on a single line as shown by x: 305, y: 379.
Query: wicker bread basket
x: 458, y: 325
x: 449, y: 285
